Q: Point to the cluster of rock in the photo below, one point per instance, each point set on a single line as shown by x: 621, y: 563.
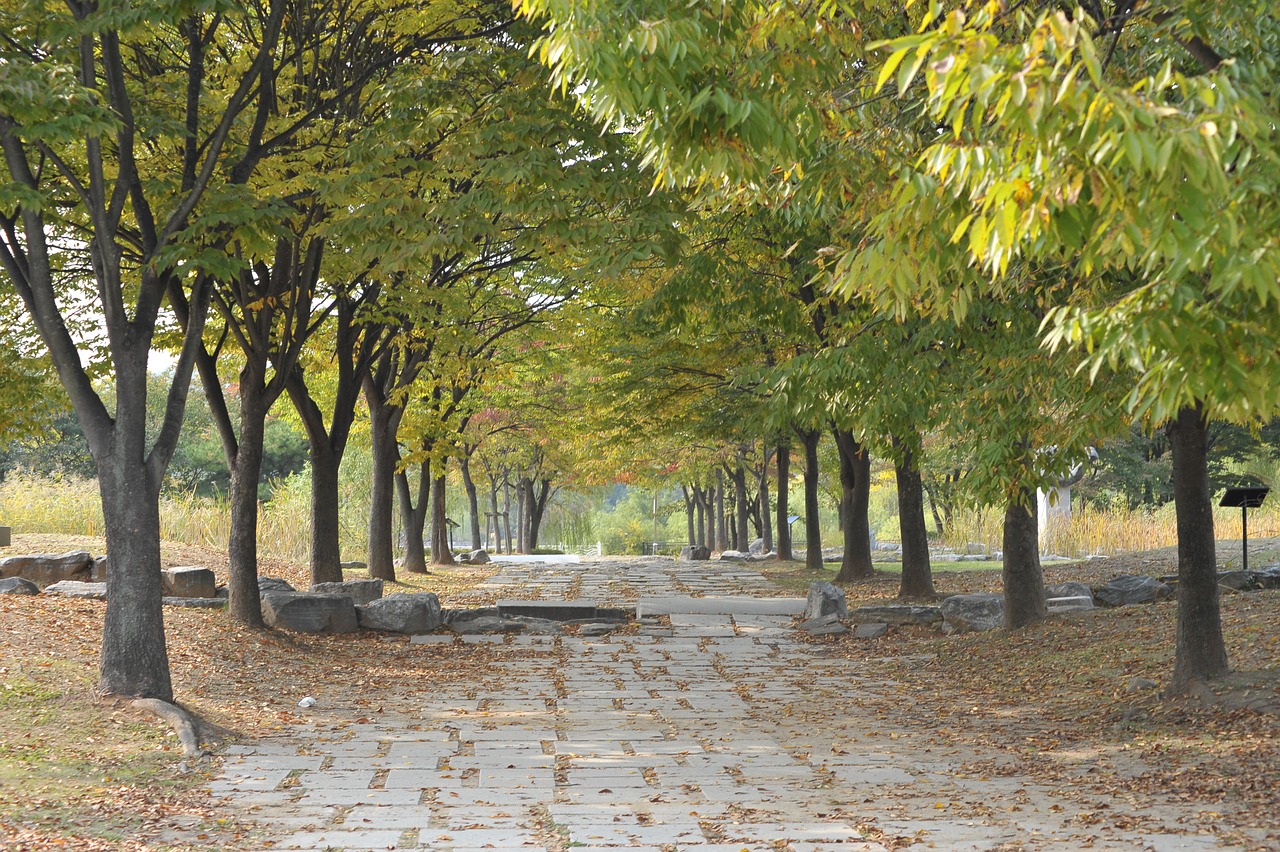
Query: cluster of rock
x: 359, y: 604
x: 77, y: 574
x: 826, y: 612
x: 475, y: 557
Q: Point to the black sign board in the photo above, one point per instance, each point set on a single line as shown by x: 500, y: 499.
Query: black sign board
x: 1246, y: 497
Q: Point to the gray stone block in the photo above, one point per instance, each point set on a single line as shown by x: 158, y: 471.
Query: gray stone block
x: 98, y: 570
x: 189, y: 581
x: 273, y: 584
x: 45, y: 568
x: 18, y: 586
x: 76, y: 589
x: 487, y: 624
x: 402, y: 613
x: 360, y: 591
x: 825, y: 599
x: 695, y: 552
x: 870, y: 631
x: 972, y: 613
x: 307, y: 613
x: 1132, y: 589
x: 896, y: 614
x: 554, y: 610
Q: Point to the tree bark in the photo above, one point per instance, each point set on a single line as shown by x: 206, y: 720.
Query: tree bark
x: 722, y: 532
x: 384, y: 422
x: 855, y: 480
x: 326, y: 557
x: 784, y: 509
x: 497, y: 517
x: 741, y: 509
x: 133, y: 660
x: 536, y: 506
x: 473, y: 500
x: 522, y: 527
x: 1024, y: 600
x: 689, y: 514
x: 440, y: 552
x: 506, y: 507
x: 1201, y: 653
x: 413, y: 517
x: 812, y: 527
x: 766, y: 527
x: 917, y: 576
x: 243, y: 601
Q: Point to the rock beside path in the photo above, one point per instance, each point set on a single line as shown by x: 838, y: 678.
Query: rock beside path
x: 825, y: 599
x: 1132, y: 589
x: 973, y: 613
x: 307, y: 613
x: 695, y: 552
x: 77, y: 589
x: 18, y: 586
x: 360, y: 591
x: 189, y: 581
x: 402, y: 613
x: 895, y: 614
x: 44, y: 569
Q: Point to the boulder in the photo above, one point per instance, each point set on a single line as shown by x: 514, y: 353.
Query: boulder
x: 98, y: 570
x: 402, y: 613
x: 360, y: 591
x: 479, y: 557
x: 45, y: 568
x: 274, y: 584
x: 825, y: 599
x: 1132, y: 589
x: 307, y: 613
x: 1268, y: 578
x: 18, y: 586
x: 833, y: 629
x: 695, y: 552
x: 189, y: 581
x: 756, y: 548
x: 545, y: 626
x: 870, y: 631
x: 811, y: 624
x: 597, y: 628
x: 733, y: 555
x: 452, y: 616
x: 487, y: 624
x: 1240, y: 581
x: 76, y: 589
x: 972, y: 613
x: 895, y: 614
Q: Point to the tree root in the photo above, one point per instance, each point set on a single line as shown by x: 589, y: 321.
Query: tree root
x: 189, y: 728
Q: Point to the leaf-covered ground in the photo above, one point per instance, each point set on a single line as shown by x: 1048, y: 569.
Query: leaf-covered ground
x: 1058, y: 700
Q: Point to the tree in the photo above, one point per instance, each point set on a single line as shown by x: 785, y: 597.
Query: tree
x: 117, y: 140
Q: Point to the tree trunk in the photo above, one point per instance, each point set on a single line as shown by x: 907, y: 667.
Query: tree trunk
x: 766, y: 526
x: 812, y: 528
x: 413, y: 517
x: 133, y: 660
x: 722, y: 532
x: 689, y: 514
x: 917, y: 577
x: 1200, y: 651
x: 700, y: 522
x: 855, y: 480
x: 440, y: 552
x: 1023, y: 581
x: 784, y: 508
x: 384, y: 420
x: 522, y: 529
x: 243, y: 601
x: 473, y: 501
x: 326, y: 558
x: 741, y: 509
x: 506, y: 508
x: 537, y: 506
x: 497, y: 517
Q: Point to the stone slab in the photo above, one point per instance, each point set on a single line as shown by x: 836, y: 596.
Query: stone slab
x: 553, y: 610
x: 726, y: 605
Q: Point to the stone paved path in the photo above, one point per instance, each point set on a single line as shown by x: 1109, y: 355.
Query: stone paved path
x: 688, y: 738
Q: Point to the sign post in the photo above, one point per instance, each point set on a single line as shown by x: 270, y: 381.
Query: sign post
x: 1246, y: 497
